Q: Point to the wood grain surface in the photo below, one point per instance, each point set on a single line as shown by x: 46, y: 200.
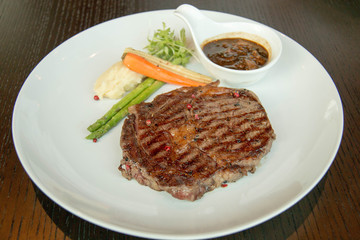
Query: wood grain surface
x: 329, y: 29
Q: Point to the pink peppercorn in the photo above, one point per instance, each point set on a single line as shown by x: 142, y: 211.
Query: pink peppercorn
x: 189, y: 106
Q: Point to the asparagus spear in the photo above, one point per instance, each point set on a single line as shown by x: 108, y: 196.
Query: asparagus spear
x: 124, y: 111
x: 122, y: 103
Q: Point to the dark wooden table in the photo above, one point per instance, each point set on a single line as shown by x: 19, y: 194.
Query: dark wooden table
x: 329, y: 29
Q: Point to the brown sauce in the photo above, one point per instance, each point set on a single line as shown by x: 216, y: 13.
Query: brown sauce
x: 236, y: 53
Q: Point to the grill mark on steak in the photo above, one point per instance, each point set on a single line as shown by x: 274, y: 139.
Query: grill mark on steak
x: 217, y: 130
x: 189, y: 151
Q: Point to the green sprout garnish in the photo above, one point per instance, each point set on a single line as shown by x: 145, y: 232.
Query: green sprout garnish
x: 167, y: 46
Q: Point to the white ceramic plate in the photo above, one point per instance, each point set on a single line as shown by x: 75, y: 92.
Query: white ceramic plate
x: 55, y: 106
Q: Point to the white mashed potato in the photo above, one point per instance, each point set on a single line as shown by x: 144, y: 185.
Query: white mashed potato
x: 117, y: 80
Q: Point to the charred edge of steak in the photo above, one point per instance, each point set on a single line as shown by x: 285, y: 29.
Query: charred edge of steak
x: 131, y: 169
x: 221, y: 137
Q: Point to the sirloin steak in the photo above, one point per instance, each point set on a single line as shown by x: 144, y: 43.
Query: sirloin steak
x: 194, y: 139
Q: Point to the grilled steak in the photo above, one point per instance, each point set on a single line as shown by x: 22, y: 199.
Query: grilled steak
x: 194, y: 139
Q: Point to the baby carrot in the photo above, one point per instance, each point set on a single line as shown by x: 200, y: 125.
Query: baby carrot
x: 141, y: 65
